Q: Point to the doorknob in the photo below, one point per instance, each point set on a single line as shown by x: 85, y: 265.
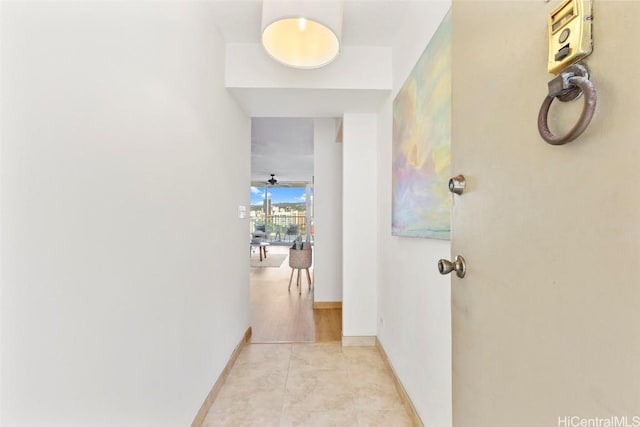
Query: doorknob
x: 458, y: 264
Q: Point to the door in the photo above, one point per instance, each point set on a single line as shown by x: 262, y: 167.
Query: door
x: 546, y: 323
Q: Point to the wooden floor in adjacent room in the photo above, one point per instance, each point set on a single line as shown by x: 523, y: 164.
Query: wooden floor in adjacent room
x: 280, y: 316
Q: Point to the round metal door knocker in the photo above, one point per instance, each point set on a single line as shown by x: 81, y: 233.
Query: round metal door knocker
x: 569, y: 85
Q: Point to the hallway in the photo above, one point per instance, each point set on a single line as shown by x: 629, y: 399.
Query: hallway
x: 278, y: 315
x: 308, y: 385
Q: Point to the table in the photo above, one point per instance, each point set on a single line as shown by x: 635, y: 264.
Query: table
x: 262, y: 248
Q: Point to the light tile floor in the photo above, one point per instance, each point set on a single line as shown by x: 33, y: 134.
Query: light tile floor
x: 308, y: 385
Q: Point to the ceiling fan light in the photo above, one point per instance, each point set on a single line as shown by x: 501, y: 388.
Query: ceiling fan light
x: 302, y: 33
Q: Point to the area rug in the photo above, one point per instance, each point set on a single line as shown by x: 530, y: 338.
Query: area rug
x: 272, y: 260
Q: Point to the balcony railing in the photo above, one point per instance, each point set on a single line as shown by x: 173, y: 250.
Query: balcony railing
x: 282, y: 228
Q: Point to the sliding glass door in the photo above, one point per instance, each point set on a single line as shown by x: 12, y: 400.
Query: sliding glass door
x: 283, y: 211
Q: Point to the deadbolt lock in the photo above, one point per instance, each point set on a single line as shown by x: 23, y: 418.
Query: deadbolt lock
x: 457, y: 184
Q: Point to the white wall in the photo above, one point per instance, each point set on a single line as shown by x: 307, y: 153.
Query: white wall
x: 359, y: 225
x: 414, y: 313
x: 266, y: 88
x: 251, y: 67
x: 327, y: 193
x: 124, y: 266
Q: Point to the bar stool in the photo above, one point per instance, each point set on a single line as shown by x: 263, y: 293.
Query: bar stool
x: 300, y: 259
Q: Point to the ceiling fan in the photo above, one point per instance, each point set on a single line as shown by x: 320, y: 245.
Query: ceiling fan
x: 275, y: 183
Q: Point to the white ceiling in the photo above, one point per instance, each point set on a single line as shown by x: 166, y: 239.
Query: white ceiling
x: 284, y: 146
x: 365, y: 22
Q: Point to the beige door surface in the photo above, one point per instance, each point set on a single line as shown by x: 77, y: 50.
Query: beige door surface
x: 546, y: 323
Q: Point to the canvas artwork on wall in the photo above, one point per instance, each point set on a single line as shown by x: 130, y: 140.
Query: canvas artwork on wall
x: 421, y: 144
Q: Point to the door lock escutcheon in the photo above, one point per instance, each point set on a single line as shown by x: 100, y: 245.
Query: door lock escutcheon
x: 459, y: 265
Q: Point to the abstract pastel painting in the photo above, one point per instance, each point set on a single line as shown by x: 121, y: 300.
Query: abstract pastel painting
x: 421, y: 144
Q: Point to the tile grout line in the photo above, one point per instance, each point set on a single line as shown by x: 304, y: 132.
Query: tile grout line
x: 286, y: 380
x: 351, y: 391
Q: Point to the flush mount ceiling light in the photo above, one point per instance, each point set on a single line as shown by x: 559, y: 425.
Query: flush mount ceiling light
x: 302, y: 33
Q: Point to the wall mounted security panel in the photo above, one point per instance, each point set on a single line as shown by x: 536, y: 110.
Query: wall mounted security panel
x: 569, y: 34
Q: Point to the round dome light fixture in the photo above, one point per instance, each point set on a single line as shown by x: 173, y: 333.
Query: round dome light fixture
x: 302, y: 33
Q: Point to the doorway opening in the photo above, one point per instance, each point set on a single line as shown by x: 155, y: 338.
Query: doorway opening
x: 281, y: 216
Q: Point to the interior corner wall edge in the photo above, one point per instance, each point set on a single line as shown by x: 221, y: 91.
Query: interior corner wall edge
x: 414, y: 312
x: 124, y: 264
x: 327, y: 193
